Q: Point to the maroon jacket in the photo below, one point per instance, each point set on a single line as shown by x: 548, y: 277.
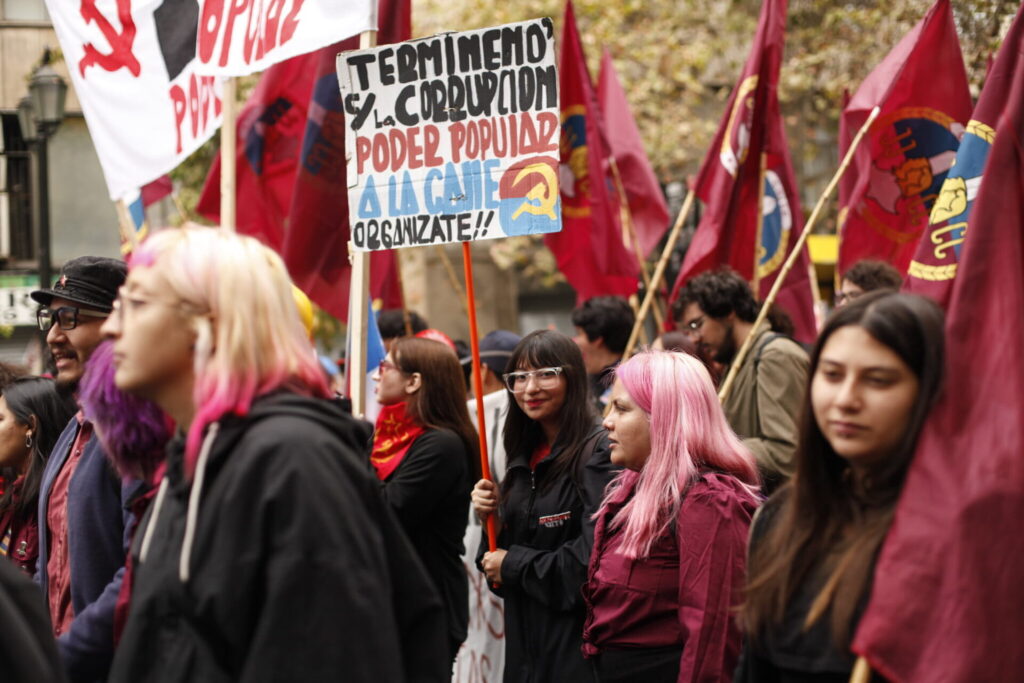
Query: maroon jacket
x: 684, y: 592
x: 24, y: 547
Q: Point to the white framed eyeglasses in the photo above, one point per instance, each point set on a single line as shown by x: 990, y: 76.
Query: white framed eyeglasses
x: 546, y: 378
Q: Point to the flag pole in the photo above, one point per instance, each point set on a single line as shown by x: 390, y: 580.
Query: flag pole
x: 478, y: 386
x: 756, y: 282
x: 228, y: 141
x: 793, y: 255
x: 630, y: 230
x: 861, y: 671
x: 126, y: 226
x: 358, y: 291
x: 659, y: 272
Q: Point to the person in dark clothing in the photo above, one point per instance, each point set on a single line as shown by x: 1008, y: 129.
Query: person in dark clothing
x: 32, y: 416
x: 28, y: 651
x: 667, y: 567
x: 875, y: 373
x: 603, y: 325
x: 424, y: 450
x: 558, y: 467
x: 268, y: 552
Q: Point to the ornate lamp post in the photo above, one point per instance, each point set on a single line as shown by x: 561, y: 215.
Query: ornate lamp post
x: 40, y: 114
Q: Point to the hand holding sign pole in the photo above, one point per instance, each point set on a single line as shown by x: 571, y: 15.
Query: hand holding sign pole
x: 454, y: 138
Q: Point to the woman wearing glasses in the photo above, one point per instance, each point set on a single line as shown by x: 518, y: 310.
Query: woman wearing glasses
x: 32, y: 416
x: 668, y: 562
x: 557, y: 471
x: 424, y: 451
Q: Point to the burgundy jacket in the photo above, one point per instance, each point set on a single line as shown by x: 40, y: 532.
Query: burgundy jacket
x: 683, y: 594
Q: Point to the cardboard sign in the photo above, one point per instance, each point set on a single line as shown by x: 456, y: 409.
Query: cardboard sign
x: 453, y: 138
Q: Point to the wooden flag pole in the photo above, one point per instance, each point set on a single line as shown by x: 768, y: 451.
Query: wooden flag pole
x: 861, y: 671
x: 228, y: 140
x: 126, y: 226
x: 478, y: 384
x: 630, y: 230
x: 659, y: 273
x: 358, y: 295
x: 793, y: 255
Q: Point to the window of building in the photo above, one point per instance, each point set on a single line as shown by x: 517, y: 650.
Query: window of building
x: 16, y: 243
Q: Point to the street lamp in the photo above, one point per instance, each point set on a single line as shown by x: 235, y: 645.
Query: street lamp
x: 39, y: 115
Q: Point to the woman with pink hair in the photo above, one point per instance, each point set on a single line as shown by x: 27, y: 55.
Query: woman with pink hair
x: 667, y: 566
x: 268, y: 552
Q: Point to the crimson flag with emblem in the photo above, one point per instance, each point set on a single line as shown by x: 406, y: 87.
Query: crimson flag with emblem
x: 947, y: 598
x: 647, y: 207
x: 590, y: 250
x: 921, y: 88
x: 291, y: 172
x: 934, y: 266
x: 750, y: 224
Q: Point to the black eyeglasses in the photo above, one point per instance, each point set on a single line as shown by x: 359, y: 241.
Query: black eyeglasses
x: 65, y: 316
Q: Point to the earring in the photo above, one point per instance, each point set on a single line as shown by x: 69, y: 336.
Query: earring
x: 28, y: 440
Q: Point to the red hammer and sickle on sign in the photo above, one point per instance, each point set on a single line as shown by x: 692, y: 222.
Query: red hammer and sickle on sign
x: 120, y: 54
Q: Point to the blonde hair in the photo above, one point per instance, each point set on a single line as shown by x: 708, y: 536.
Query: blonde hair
x: 250, y: 339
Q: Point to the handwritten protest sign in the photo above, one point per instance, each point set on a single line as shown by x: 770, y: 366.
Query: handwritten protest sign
x: 453, y: 138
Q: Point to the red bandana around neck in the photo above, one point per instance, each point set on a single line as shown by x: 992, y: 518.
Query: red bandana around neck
x: 395, y: 431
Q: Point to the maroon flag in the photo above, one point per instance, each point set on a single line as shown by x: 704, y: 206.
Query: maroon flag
x: 948, y: 600
x: 748, y: 224
x: 921, y: 87
x: 291, y: 172
x: 647, y: 206
x: 590, y: 250
x: 316, y: 244
x: 934, y: 266
x: 270, y: 127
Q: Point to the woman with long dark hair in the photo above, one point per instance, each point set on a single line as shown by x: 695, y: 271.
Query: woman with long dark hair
x: 875, y: 373
x: 667, y: 568
x: 32, y: 416
x: 558, y: 467
x: 424, y: 450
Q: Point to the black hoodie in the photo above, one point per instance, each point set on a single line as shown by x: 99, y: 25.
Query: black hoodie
x: 293, y: 569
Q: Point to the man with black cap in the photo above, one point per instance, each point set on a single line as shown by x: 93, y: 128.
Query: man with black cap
x: 82, y: 502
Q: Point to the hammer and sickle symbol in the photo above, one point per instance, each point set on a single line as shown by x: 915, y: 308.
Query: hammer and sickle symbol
x: 542, y: 192
x: 120, y: 55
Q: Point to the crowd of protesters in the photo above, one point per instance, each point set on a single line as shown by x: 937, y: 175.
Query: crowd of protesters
x: 195, y: 503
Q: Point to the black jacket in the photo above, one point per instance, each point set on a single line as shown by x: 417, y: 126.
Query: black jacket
x: 297, y: 569
x: 28, y: 652
x: 548, y: 533
x: 429, y: 492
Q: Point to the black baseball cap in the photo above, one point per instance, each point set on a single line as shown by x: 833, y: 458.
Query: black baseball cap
x: 91, y: 281
x: 496, y: 350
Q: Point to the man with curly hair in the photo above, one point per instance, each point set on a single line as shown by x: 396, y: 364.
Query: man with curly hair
x: 717, y: 311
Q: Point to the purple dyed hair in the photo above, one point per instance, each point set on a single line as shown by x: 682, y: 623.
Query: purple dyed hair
x: 133, y: 431
x: 689, y: 433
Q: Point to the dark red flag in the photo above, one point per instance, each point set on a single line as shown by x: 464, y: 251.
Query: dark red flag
x: 921, y: 87
x: 933, y: 268
x: 948, y: 600
x: 270, y: 127
x: 590, y: 250
x: 647, y: 206
x: 729, y: 184
x: 291, y: 172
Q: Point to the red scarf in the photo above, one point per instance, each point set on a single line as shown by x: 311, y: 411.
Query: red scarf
x: 395, y: 431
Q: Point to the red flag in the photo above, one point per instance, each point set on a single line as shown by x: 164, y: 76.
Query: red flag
x: 947, y: 599
x: 921, y: 87
x: 270, y: 127
x: 729, y: 184
x: 647, y: 205
x: 281, y: 183
x: 934, y: 265
x: 316, y: 244
x: 589, y: 250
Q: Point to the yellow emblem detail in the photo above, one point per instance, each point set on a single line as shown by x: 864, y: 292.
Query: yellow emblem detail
x: 540, y: 192
x: 952, y: 200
